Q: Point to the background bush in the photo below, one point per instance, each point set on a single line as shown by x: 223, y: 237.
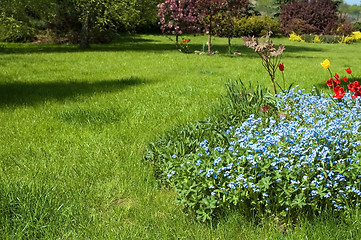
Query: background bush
x: 255, y: 26
x: 12, y: 30
x: 313, y: 17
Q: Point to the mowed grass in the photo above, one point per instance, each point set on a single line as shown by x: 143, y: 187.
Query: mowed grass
x: 74, y: 125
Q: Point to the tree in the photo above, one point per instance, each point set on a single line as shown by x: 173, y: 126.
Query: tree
x: 178, y: 16
x: 104, y: 14
x: 226, y: 20
x: 207, y: 10
x: 277, y: 4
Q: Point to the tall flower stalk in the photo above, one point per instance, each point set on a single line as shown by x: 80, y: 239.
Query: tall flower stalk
x: 271, y: 57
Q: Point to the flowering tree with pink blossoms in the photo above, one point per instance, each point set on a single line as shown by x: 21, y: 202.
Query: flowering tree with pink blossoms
x: 178, y: 16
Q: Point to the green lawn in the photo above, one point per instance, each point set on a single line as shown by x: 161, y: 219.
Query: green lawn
x: 74, y: 124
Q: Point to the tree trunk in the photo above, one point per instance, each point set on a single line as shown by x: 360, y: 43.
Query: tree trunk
x: 84, y: 35
x: 229, y: 45
x: 210, y: 35
x: 209, y: 42
x: 176, y: 41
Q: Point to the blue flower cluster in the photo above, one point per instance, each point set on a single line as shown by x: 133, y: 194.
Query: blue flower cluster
x: 306, y: 157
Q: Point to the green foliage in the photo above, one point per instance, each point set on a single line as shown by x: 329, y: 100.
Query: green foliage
x: 255, y: 26
x: 12, y: 30
x: 308, y: 37
x: 330, y: 38
x: 358, y: 26
x: 24, y: 20
x: 21, y: 20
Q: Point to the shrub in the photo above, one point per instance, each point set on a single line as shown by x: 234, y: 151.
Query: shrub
x: 308, y: 37
x: 304, y: 160
x: 306, y: 17
x: 344, y: 29
x: 12, y: 30
x: 355, y: 36
x: 357, y: 26
x: 317, y: 39
x: 296, y: 38
x: 330, y: 38
x: 255, y: 26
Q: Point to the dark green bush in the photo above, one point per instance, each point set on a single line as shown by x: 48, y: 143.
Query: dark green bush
x: 308, y: 37
x: 12, y: 30
x: 330, y: 38
x: 357, y: 26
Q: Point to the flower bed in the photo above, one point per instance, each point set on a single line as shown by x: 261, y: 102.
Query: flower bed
x: 306, y: 158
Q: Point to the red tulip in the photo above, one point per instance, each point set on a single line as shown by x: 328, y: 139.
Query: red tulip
x: 354, y: 87
x: 357, y: 94
x: 332, y: 83
x: 348, y: 70
x: 281, y: 67
x: 339, y: 91
x: 344, y: 78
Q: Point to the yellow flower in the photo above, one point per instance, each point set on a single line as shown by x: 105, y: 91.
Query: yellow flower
x: 326, y: 64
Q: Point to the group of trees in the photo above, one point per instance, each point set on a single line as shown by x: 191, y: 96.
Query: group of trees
x: 228, y: 18
x: 74, y: 20
x: 81, y: 21
x: 202, y: 16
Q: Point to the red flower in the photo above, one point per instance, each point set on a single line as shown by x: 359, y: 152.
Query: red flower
x: 337, y: 77
x: 186, y: 40
x: 354, y: 87
x: 357, y: 94
x: 348, y: 70
x: 281, y: 67
x: 344, y: 78
x: 339, y: 91
x: 332, y: 83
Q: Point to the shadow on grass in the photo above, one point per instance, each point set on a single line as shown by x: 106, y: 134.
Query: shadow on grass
x: 123, y: 43
x: 20, y: 93
x: 133, y: 43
